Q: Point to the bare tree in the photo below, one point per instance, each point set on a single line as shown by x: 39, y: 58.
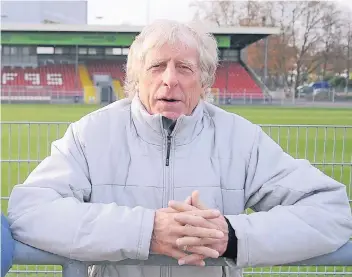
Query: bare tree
x: 308, y: 32
x: 286, y: 14
x: 222, y: 13
x: 302, y: 26
x: 346, y: 45
x: 232, y: 13
x: 330, y: 34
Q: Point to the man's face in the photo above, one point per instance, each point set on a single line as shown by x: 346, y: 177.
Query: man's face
x: 169, y: 83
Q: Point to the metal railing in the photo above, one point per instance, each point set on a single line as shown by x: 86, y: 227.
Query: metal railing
x: 47, y: 94
x: 39, y: 94
x: 26, y: 255
x: 25, y: 144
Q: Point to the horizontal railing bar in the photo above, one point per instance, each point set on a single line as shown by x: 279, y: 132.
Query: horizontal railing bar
x: 253, y: 273
x: 36, y: 271
x: 33, y: 122
x: 20, y: 161
x: 26, y: 255
x: 244, y: 272
x: 305, y: 125
x: 262, y: 125
x: 297, y: 273
x: 332, y: 163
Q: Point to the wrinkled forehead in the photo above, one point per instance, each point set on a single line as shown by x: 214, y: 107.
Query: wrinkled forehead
x: 177, y: 44
x: 177, y: 52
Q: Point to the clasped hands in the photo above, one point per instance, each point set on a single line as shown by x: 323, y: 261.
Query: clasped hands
x: 189, y: 232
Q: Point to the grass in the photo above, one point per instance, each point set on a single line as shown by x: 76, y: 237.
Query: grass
x: 25, y: 142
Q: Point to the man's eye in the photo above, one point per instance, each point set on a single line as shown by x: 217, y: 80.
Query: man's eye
x: 156, y: 66
x: 185, y: 67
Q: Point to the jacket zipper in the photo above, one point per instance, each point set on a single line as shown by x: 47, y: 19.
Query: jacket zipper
x: 165, y: 270
x: 168, y: 149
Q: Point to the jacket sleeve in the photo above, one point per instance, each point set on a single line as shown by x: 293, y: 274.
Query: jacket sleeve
x: 300, y: 212
x: 51, y: 211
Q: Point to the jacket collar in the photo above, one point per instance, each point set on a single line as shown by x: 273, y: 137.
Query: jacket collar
x: 150, y: 127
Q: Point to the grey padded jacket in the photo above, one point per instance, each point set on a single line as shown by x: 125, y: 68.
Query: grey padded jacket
x: 94, y: 197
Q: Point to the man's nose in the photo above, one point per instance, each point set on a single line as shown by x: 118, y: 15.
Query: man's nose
x: 170, y: 76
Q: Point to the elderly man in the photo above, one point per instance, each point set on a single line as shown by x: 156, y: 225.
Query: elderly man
x: 165, y: 172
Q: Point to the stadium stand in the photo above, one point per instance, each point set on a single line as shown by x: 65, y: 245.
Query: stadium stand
x: 234, y: 81
x: 86, y: 63
x: 56, y: 79
x: 113, y: 68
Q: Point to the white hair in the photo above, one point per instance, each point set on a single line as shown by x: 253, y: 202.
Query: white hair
x: 163, y: 32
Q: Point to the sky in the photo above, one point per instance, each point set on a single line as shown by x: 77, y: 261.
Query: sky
x: 136, y: 12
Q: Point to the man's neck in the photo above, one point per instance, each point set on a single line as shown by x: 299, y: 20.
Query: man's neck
x: 168, y: 124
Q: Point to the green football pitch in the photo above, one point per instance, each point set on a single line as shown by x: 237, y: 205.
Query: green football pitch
x: 322, y: 135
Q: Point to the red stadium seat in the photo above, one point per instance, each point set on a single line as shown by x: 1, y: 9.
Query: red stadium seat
x: 233, y: 81
x: 54, y: 80
x: 113, y: 68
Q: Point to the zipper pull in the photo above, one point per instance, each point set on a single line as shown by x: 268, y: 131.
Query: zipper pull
x: 168, y: 150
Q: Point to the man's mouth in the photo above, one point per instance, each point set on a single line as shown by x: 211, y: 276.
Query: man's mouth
x: 169, y: 100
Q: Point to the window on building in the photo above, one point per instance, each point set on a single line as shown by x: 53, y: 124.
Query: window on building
x: 92, y: 51
x: 25, y: 51
x: 45, y: 50
x: 59, y: 51
x: 6, y: 51
x: 82, y: 51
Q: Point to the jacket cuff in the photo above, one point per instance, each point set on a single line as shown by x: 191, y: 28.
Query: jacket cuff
x: 231, y: 250
x: 240, y: 224
x: 145, y: 237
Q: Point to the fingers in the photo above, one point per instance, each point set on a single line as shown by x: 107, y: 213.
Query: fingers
x: 192, y: 259
x: 188, y: 200
x: 204, y: 251
x: 197, y: 221
x: 183, y: 258
x: 191, y: 231
x: 196, y: 202
x: 206, y: 214
x: 168, y: 210
x: 181, y: 206
x: 176, y: 253
x: 195, y: 241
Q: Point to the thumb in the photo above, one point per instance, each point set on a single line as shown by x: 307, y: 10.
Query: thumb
x: 196, y: 202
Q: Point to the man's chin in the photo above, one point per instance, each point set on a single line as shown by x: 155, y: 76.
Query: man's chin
x: 171, y: 115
